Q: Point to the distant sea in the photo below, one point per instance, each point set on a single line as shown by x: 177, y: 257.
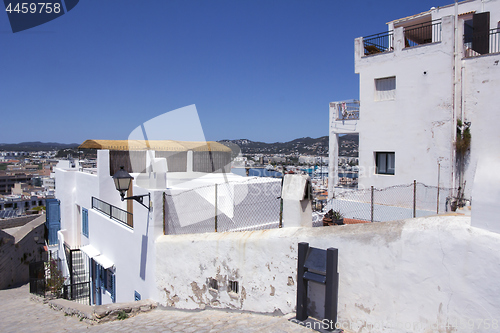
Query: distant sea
x: 257, y: 172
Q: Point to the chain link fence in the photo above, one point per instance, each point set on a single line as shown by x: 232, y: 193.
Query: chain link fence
x: 392, y: 203
x: 252, y: 204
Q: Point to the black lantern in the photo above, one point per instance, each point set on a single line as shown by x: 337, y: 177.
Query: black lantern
x: 122, y: 181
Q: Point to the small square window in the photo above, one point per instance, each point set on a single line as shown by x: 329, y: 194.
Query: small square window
x: 385, y: 89
x: 385, y: 163
x: 232, y: 286
x: 213, y: 284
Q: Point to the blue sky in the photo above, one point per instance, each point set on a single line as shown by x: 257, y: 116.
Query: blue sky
x: 260, y: 70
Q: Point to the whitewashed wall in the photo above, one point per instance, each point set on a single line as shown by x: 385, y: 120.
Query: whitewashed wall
x: 426, y: 271
x: 481, y: 105
x: 418, y: 124
x: 131, y: 250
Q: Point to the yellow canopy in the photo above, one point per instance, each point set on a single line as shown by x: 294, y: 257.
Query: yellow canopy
x: 159, y: 145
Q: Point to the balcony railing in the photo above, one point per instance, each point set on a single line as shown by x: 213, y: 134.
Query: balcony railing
x: 113, y: 212
x: 347, y: 110
x: 477, y: 44
x: 423, y: 33
x: 378, y: 43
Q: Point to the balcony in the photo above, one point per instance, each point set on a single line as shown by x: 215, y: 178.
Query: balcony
x: 423, y: 33
x: 345, y: 110
x: 413, y: 35
x: 113, y: 212
x: 378, y: 43
x: 476, y: 44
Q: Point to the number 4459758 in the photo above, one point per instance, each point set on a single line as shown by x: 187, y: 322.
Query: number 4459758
x: 32, y: 7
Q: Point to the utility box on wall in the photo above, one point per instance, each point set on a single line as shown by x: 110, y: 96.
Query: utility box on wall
x: 297, y: 197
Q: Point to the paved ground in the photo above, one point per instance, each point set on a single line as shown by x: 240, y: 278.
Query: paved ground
x: 19, y: 314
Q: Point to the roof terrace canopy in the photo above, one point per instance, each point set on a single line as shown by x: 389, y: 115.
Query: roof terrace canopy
x: 158, y: 145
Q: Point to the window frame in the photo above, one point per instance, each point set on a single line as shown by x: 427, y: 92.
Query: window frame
x: 389, y: 164
x: 381, y: 94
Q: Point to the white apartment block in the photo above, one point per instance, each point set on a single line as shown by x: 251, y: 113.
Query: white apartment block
x: 418, y: 81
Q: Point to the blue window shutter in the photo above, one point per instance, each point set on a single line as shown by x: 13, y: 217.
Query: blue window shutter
x: 53, y: 220
x: 85, y: 222
x: 113, y: 288
x: 105, y: 278
x: 101, y: 277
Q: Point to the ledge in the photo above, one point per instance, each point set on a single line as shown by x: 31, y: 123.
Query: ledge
x: 99, y: 313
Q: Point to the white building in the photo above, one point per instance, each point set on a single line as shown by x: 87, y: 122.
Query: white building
x: 113, y: 243
x: 426, y: 74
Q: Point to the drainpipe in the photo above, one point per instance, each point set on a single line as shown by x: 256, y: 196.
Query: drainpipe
x: 455, y: 93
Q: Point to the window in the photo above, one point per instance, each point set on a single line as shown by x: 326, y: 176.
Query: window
x: 85, y: 222
x: 232, y: 286
x: 137, y: 296
x: 385, y: 162
x: 213, y: 284
x: 385, y: 89
x: 111, y: 284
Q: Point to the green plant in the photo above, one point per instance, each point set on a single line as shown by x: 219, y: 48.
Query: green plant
x: 55, y: 280
x: 336, y: 215
x: 462, y: 144
x: 122, y: 315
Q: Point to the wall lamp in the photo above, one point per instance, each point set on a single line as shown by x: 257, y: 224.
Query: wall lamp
x: 122, y: 181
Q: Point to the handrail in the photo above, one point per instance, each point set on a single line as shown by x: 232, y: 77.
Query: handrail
x: 113, y: 212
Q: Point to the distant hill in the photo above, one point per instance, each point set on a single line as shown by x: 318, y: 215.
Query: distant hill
x: 36, y: 146
x: 348, y: 146
x: 304, y: 146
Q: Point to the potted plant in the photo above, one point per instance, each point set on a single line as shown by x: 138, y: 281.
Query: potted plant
x: 333, y: 217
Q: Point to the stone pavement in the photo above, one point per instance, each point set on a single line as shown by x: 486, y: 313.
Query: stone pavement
x: 19, y: 314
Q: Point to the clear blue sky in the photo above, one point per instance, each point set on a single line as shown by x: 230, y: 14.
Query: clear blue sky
x: 260, y: 70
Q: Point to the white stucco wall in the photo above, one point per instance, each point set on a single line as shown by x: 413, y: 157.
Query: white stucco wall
x: 481, y: 109
x: 130, y: 249
x: 418, y: 124
x: 426, y: 271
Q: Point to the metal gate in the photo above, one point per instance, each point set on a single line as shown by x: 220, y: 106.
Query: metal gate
x: 37, y: 278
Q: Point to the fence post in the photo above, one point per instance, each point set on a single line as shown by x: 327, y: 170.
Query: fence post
x: 371, y: 219
x: 281, y: 201
x: 439, y: 174
x: 281, y: 213
x: 215, y: 207
x: 414, y: 198
x: 164, y: 217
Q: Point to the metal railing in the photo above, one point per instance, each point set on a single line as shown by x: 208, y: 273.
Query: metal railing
x: 348, y: 110
x: 423, y: 33
x: 378, y: 43
x: 392, y: 203
x: 77, y: 292
x: 479, y: 44
x: 254, y: 204
x: 113, y: 212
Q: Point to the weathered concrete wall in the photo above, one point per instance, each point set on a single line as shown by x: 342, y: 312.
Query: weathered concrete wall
x: 18, y: 249
x: 17, y: 222
x: 424, y: 272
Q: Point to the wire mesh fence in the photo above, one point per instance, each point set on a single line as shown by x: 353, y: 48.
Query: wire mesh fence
x: 392, y: 203
x: 253, y: 204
